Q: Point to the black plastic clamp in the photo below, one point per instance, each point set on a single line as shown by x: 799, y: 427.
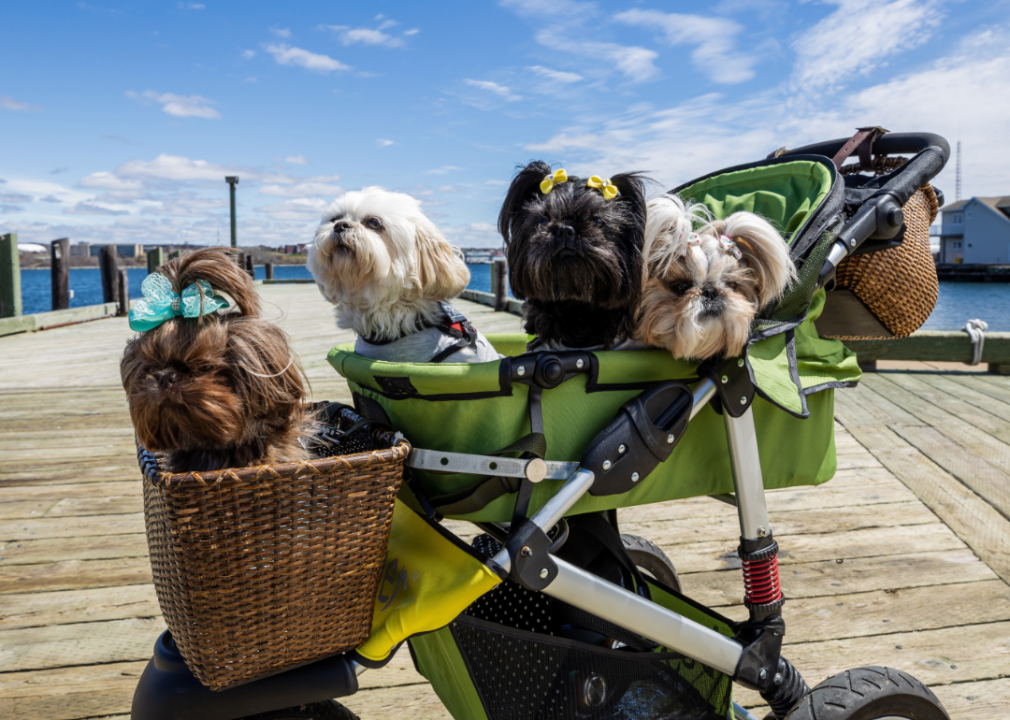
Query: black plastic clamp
x: 734, y: 389
x: 762, y: 641
x: 529, y: 549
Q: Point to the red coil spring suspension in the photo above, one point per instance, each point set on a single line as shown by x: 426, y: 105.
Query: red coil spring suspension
x: 761, y: 580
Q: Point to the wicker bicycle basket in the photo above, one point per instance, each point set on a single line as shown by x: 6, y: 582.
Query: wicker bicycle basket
x: 262, y: 569
x: 899, y: 286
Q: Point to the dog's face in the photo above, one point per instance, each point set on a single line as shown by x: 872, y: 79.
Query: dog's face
x: 210, y: 383
x: 571, y: 243
x: 703, y: 290
x: 375, y: 248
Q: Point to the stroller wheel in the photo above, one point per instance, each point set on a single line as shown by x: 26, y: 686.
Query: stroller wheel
x: 870, y: 693
x: 325, y: 710
x: 647, y: 556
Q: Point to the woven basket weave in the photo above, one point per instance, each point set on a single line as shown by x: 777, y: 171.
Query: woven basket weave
x: 899, y: 286
x: 265, y: 568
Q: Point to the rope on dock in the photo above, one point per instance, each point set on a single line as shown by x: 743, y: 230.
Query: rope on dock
x: 976, y: 331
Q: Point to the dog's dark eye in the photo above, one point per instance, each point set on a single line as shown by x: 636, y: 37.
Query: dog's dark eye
x: 734, y: 286
x: 598, y: 221
x: 373, y: 223
x: 204, y: 369
x: 680, y: 287
x: 543, y: 223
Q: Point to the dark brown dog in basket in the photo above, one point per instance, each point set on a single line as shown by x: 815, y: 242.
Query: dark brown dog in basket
x: 210, y: 389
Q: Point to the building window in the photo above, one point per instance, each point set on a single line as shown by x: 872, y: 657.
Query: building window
x: 955, y: 219
x: 957, y: 244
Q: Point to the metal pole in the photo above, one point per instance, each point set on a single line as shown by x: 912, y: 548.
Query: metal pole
x: 10, y: 276
x: 232, y: 181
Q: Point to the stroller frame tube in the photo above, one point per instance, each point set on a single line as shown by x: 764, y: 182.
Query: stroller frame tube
x: 747, y: 480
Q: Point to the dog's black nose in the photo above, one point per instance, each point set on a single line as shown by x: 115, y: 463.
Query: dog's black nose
x: 566, y: 242
x: 168, y: 378
x: 340, y: 227
x: 709, y: 291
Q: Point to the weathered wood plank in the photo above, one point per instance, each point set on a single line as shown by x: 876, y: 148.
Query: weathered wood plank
x: 96, y: 547
x: 22, y: 610
x: 74, y: 575
x: 945, y: 345
x: 854, y: 575
x: 69, y: 693
x: 71, y: 526
x: 92, y: 643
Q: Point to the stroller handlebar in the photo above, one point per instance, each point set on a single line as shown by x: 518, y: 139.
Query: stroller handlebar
x: 889, y: 144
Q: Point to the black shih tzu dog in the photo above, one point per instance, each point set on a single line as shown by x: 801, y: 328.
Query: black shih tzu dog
x: 574, y: 250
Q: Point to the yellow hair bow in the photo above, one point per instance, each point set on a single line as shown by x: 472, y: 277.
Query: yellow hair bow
x: 604, y: 185
x: 548, y: 183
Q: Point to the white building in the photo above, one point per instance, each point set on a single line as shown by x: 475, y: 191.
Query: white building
x: 976, y: 231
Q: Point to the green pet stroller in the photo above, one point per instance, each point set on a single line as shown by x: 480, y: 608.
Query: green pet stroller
x: 549, y: 612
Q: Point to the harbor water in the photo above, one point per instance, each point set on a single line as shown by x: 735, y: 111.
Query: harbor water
x: 958, y: 302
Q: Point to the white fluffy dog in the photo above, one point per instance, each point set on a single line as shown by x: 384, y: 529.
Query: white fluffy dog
x: 704, y: 287
x: 390, y: 273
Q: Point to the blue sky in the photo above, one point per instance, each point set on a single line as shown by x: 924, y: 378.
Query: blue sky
x: 118, y: 121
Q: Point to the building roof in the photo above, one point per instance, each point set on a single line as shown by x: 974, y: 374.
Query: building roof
x: 996, y: 203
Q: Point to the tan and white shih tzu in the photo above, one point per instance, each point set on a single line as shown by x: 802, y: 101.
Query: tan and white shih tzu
x: 391, y: 273
x: 707, y: 279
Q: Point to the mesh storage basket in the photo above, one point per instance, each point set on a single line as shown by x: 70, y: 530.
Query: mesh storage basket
x: 898, y: 286
x: 528, y: 656
x: 261, y: 569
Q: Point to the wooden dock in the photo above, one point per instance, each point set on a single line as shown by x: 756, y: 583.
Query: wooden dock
x: 903, y: 559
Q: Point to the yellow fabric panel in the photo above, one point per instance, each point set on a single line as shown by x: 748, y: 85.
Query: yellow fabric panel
x: 426, y: 582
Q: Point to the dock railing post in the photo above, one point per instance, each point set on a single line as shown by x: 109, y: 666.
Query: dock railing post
x: 174, y: 254
x: 59, y: 270
x: 249, y: 266
x: 10, y: 276
x: 268, y: 270
x: 107, y: 263
x: 155, y: 259
x: 123, y: 290
x: 499, y: 284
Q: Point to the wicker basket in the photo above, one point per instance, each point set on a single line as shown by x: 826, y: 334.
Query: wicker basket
x: 898, y: 286
x: 261, y: 569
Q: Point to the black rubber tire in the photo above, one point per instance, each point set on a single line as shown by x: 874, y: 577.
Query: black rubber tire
x: 325, y: 710
x: 647, y: 556
x: 870, y: 693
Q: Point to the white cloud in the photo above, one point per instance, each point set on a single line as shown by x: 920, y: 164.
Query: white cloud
x: 296, y: 160
x: 192, y: 6
x: 46, y: 190
x: 382, y: 142
x: 859, y: 36
x: 444, y: 170
x: 299, y: 209
x: 186, y: 204
x: 472, y: 235
x: 320, y: 186
x: 555, y: 75
x: 9, y: 103
x: 91, y: 208
x: 285, y: 55
x: 13, y: 197
x: 108, y: 181
x: 365, y: 36
x: 715, y: 40
x: 248, y: 54
x: 179, y: 105
x: 567, y: 8
x: 500, y: 90
x: 412, y: 31
x: 635, y: 62
x: 281, y: 32
x: 177, y: 168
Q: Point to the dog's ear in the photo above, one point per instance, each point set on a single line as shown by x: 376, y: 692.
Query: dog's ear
x: 632, y: 187
x: 763, y: 250
x: 441, y: 271
x: 524, y: 185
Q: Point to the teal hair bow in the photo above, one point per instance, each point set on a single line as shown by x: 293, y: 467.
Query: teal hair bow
x: 161, y: 303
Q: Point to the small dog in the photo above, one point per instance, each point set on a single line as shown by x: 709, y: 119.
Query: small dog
x: 391, y: 273
x: 703, y: 289
x: 209, y: 391
x: 574, y: 249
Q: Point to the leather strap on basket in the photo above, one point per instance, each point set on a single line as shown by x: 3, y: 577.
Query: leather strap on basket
x: 863, y: 142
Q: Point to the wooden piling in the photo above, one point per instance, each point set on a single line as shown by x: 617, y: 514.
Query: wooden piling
x: 499, y: 284
x: 10, y: 276
x: 174, y: 254
x: 269, y: 270
x: 59, y: 269
x: 123, y: 288
x: 107, y: 263
x: 155, y: 259
x: 249, y: 267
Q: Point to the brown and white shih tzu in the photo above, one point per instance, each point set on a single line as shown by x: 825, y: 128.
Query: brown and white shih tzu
x: 574, y: 250
x: 207, y: 389
x: 707, y: 279
x: 391, y: 273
